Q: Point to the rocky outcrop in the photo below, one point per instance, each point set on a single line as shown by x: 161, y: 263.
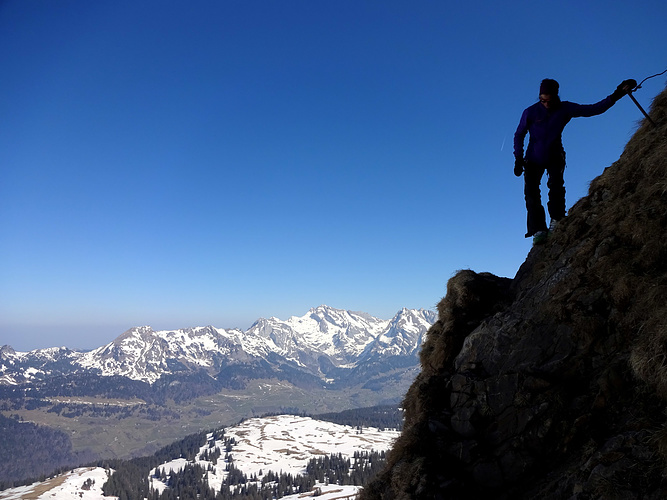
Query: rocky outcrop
x: 553, y: 384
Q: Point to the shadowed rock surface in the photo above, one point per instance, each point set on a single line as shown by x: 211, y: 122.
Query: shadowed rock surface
x: 553, y: 384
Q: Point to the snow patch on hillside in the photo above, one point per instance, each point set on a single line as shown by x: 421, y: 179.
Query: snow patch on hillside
x: 83, y: 484
x: 283, y: 443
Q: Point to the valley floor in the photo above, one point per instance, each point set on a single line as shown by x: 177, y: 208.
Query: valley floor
x: 126, y: 428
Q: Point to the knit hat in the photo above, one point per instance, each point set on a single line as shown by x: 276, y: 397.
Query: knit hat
x: 549, y: 87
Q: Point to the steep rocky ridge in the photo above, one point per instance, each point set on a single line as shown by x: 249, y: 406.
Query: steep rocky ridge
x: 553, y: 384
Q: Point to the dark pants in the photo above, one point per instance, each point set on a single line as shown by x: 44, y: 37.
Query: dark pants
x: 532, y: 178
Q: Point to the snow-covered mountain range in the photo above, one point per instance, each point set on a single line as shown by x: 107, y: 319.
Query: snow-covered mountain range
x: 326, y: 346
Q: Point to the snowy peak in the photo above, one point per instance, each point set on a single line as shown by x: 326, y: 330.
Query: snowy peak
x: 21, y: 367
x: 404, y: 333
x: 409, y: 324
x: 337, y: 331
x: 139, y: 353
x: 337, y: 334
x: 144, y: 354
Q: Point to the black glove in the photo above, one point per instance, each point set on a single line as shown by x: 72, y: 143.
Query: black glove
x: 624, y: 87
x: 518, y: 166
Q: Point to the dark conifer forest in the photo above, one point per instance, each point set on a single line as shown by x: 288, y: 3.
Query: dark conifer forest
x: 41, y: 450
x: 131, y: 478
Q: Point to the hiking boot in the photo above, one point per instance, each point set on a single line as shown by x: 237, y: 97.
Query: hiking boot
x: 540, y: 237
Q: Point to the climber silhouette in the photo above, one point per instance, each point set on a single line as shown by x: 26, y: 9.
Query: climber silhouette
x: 545, y: 121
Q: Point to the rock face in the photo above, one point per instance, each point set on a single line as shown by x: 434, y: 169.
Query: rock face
x: 553, y: 384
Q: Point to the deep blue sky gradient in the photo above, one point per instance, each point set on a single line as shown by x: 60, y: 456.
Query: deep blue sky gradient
x: 175, y: 164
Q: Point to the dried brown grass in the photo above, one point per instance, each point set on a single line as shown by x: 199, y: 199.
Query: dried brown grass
x: 641, y: 289
x: 470, y: 298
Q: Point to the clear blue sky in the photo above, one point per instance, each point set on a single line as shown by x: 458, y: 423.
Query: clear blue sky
x: 186, y: 163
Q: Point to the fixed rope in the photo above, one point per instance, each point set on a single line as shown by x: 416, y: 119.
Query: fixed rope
x: 635, y: 100
x: 647, y: 78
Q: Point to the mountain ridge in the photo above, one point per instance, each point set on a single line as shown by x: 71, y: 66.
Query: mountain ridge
x: 323, y: 341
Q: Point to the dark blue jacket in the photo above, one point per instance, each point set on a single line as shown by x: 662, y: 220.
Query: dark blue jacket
x: 546, y: 128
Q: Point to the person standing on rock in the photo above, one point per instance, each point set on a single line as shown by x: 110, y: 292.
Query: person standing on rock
x: 545, y: 121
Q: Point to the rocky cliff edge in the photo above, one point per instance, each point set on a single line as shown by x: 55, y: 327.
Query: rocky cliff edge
x: 553, y: 384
